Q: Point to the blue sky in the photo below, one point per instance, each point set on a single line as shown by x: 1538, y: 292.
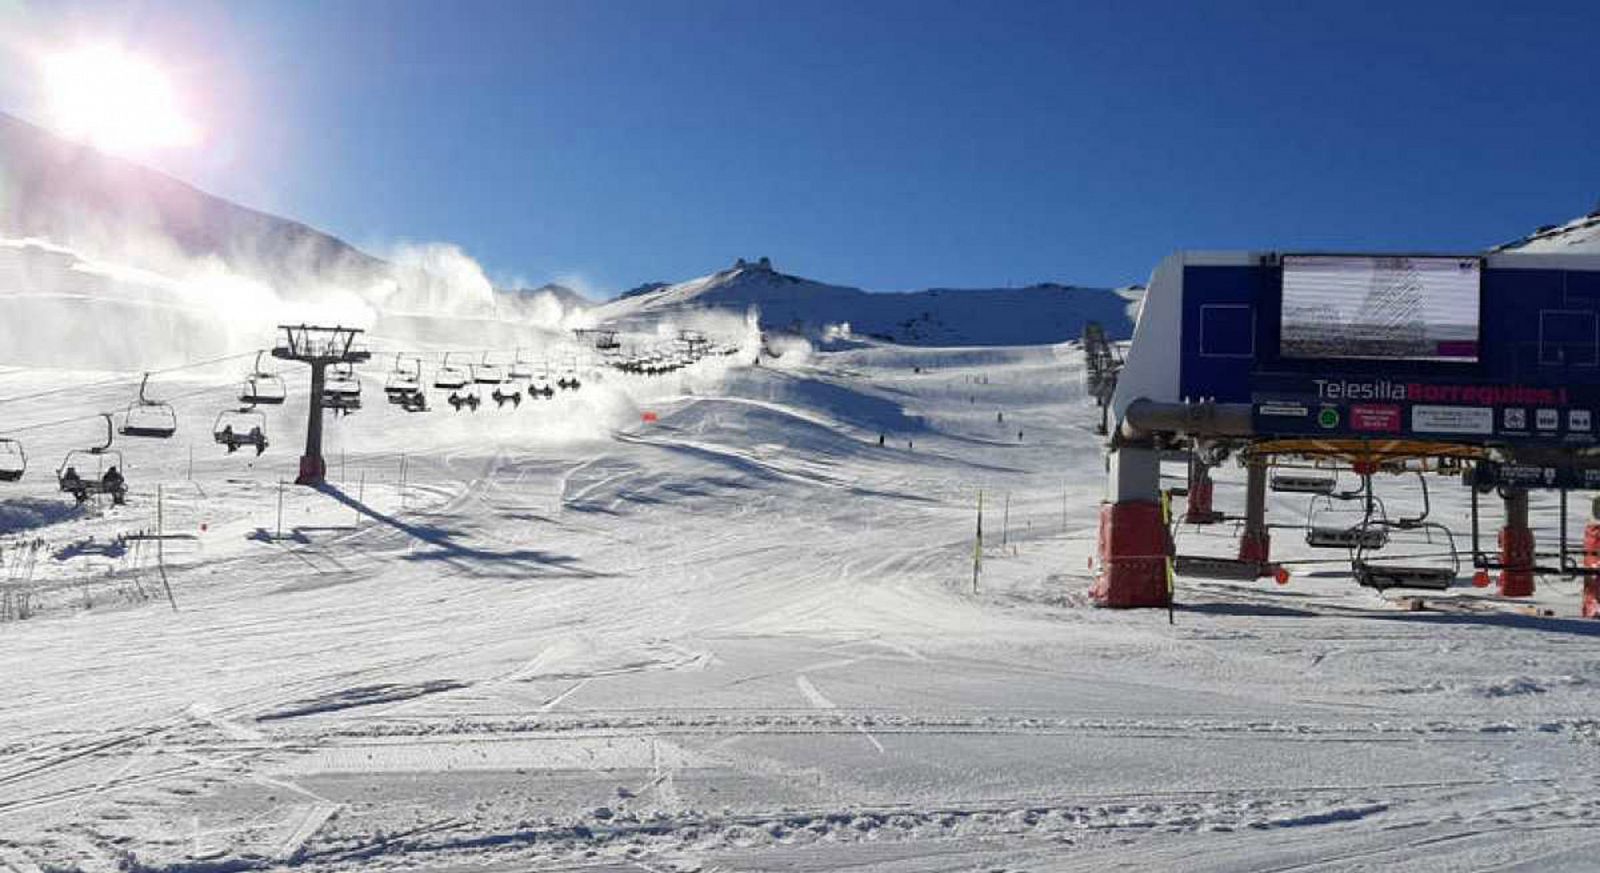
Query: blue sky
x: 890, y: 145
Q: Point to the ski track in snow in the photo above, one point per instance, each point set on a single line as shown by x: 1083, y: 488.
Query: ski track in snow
x: 746, y: 637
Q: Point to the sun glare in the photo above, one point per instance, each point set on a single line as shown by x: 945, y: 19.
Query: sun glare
x: 115, y: 101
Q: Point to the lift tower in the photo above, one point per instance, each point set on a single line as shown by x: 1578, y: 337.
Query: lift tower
x: 317, y: 347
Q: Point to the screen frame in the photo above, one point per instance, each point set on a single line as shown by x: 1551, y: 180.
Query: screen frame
x: 1481, y: 260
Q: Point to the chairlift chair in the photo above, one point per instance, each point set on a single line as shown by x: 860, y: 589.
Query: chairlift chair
x: 404, y: 385
x: 263, y: 388
x: 540, y: 386
x: 106, y: 477
x: 1303, y: 483
x: 450, y: 378
x: 521, y: 370
x: 342, y: 390
x: 1331, y: 526
x: 466, y: 397
x: 236, y: 428
x: 403, y: 380
x: 13, y: 460
x: 152, y: 419
x: 506, y: 394
x: 1430, y: 568
x: 1435, y: 568
x: 485, y: 373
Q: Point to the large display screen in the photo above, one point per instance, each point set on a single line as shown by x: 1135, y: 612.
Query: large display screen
x: 1380, y: 307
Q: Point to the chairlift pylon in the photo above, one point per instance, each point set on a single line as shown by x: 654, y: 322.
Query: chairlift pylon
x: 152, y: 419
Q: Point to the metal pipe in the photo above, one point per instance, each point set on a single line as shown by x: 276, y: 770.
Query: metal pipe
x: 1145, y: 417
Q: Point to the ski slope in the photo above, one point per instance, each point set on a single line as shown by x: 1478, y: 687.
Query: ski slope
x: 742, y: 637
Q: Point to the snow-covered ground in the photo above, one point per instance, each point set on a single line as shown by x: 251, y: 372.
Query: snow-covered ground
x: 742, y: 637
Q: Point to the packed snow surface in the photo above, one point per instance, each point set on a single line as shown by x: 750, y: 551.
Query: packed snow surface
x: 742, y: 636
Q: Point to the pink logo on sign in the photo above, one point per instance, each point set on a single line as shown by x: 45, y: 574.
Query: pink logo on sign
x: 1375, y: 418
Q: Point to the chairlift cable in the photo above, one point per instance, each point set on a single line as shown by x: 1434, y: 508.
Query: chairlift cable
x: 124, y: 379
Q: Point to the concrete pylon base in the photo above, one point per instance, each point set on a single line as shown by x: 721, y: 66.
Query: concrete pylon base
x: 1134, y: 548
x: 1255, y: 547
x: 1516, y: 556
x: 1197, y: 509
x: 313, y: 471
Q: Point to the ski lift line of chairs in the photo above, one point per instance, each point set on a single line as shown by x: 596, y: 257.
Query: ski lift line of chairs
x: 263, y: 387
x: 13, y: 460
x: 236, y: 428
x: 106, y: 478
x: 151, y: 419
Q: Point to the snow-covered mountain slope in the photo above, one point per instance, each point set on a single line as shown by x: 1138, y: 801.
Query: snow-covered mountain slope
x: 1581, y: 235
x: 742, y: 635
x: 115, y: 209
x: 938, y: 317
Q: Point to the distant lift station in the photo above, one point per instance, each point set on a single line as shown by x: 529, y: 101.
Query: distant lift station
x: 319, y: 348
x: 1486, y: 367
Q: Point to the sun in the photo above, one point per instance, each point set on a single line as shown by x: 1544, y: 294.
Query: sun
x: 116, y: 101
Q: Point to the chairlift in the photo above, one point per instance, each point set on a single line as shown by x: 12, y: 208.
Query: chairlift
x: 13, y: 460
x: 342, y: 390
x: 1434, y: 568
x: 236, y: 428
x: 503, y: 395
x: 485, y: 373
x: 404, y: 385
x: 1431, y: 568
x: 540, y: 386
x: 448, y: 378
x: 521, y: 370
x: 105, y: 478
x: 1334, y: 523
x: 465, y: 397
x: 263, y: 388
x: 403, y: 379
x: 1303, y: 483
x: 153, y: 419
